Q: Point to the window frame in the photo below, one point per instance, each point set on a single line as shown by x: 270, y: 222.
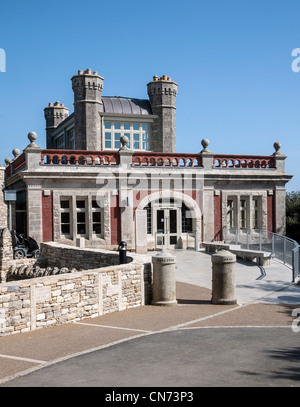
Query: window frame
x: 69, y: 211
x: 118, y: 128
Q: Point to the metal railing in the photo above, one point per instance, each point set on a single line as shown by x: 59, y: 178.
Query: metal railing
x: 281, y: 247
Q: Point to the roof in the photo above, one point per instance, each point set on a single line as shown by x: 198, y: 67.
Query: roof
x: 122, y: 105
x: 117, y: 105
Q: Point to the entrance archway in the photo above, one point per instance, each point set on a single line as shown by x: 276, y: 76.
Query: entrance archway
x: 166, y: 217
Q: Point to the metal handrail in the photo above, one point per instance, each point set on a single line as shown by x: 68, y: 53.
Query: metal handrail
x: 281, y: 247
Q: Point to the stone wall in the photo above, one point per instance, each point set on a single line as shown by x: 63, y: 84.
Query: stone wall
x: 52, y: 300
x: 3, y: 206
x: 60, y: 255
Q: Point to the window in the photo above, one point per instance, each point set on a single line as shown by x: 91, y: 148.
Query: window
x: 60, y: 142
x: 243, y: 213
x: 107, y: 140
x: 70, y: 142
x: 21, y: 210
x: 136, y: 141
x: 230, y: 214
x: 96, y: 218
x: 81, y: 217
x: 86, y: 212
x: 137, y: 133
x: 117, y: 143
x: 255, y: 215
x: 149, y: 218
x: 65, y: 217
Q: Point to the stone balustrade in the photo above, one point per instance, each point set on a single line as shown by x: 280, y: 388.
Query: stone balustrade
x: 71, y: 157
x: 243, y: 161
x: 151, y: 159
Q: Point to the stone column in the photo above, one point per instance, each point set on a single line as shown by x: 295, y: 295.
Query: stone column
x: 280, y: 193
x: 3, y: 205
x: 208, y: 214
x: 223, y: 278
x: 207, y: 156
x: 279, y: 158
x: 34, y: 212
x: 32, y: 153
x: 280, y: 209
x: 164, y: 281
x: 125, y: 196
x: 6, y: 253
x: 34, y: 191
x: 141, y: 232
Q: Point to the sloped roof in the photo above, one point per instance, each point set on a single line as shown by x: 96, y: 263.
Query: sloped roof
x: 123, y: 105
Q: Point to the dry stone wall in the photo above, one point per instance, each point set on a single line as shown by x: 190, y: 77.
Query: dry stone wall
x: 60, y: 255
x: 36, y: 303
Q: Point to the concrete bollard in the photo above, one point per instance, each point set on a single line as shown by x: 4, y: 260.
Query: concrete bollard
x: 223, y: 278
x: 164, y: 281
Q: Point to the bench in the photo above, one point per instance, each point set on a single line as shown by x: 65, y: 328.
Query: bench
x: 213, y: 247
x: 262, y: 258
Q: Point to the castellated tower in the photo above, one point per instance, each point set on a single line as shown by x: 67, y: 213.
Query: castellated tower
x: 162, y: 95
x: 54, y: 115
x: 87, y: 87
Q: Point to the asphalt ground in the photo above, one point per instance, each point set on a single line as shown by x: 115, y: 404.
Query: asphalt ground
x: 254, y: 343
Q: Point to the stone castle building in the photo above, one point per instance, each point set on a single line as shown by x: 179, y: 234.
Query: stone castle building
x: 111, y: 172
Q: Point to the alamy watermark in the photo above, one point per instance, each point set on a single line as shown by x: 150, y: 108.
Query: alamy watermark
x: 131, y: 186
x: 2, y: 60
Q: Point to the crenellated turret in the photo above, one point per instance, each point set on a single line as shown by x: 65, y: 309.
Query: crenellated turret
x: 54, y: 115
x: 162, y: 95
x: 87, y: 87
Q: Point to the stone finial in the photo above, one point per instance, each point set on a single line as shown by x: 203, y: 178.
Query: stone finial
x: 8, y: 161
x: 16, y: 152
x: 124, y: 141
x: 205, y: 144
x: 277, y: 146
x: 32, y: 136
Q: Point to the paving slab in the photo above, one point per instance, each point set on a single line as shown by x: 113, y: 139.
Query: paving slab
x: 79, y: 351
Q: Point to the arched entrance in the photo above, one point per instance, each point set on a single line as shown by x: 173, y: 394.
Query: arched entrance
x: 171, y: 217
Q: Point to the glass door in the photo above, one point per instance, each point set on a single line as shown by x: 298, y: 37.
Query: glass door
x: 166, y: 228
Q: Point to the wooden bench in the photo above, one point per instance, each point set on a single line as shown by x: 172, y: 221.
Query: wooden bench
x: 262, y: 258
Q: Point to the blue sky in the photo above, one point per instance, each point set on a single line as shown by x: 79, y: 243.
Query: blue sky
x: 231, y: 60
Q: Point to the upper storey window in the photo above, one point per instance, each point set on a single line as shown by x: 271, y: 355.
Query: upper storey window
x: 137, y: 133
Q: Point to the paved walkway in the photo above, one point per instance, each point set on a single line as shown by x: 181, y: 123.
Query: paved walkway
x: 193, y: 344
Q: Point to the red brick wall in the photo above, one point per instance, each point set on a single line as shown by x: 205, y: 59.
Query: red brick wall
x: 47, y: 213
x: 218, y: 216
x: 115, y: 221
